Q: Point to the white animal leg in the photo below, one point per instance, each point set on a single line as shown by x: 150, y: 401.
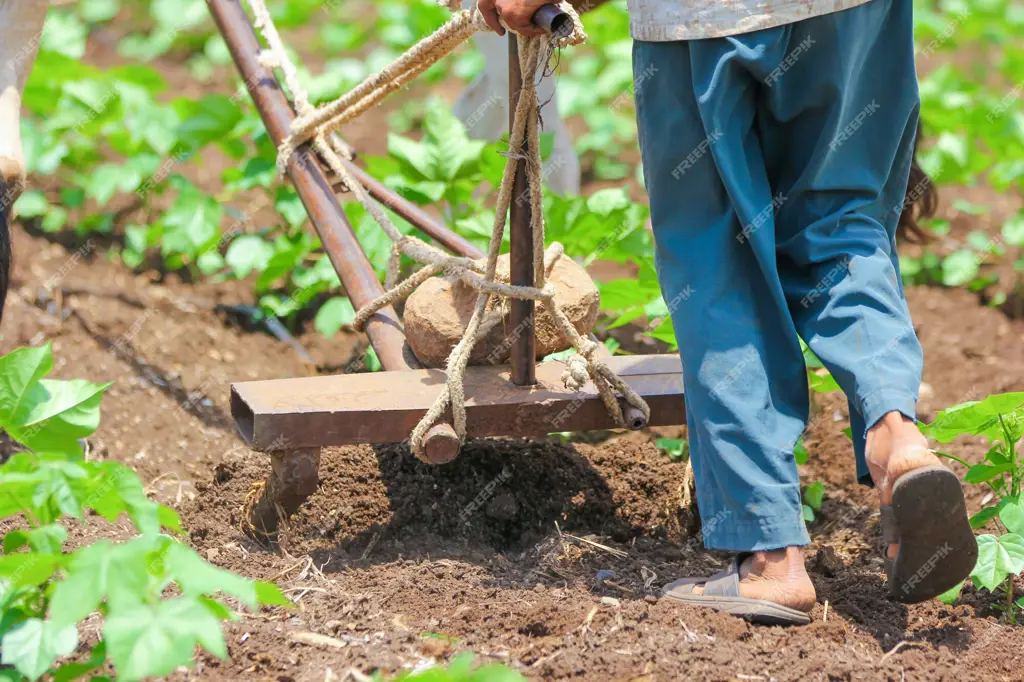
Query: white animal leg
x: 21, y: 27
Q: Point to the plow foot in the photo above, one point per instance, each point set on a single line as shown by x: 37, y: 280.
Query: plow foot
x: 292, y: 479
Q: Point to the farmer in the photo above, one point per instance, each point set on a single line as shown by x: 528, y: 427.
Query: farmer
x: 21, y: 26
x: 777, y: 139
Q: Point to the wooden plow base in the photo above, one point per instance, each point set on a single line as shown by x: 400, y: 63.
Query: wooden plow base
x: 291, y: 419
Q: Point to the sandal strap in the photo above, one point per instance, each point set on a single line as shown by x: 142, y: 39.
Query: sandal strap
x: 726, y: 583
x: 890, y: 533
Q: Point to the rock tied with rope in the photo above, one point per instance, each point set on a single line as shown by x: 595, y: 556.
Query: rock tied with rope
x: 315, y: 125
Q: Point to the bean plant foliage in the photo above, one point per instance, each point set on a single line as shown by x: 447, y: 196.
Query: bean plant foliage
x: 155, y: 597
x: 461, y: 669
x: 1000, y: 420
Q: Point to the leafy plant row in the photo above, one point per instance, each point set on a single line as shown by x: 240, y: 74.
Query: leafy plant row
x: 141, y: 606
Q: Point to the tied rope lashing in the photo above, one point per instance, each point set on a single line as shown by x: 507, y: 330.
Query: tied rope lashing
x: 316, y: 125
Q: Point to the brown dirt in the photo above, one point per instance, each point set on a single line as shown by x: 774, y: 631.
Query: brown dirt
x: 405, y: 563
x: 499, y: 552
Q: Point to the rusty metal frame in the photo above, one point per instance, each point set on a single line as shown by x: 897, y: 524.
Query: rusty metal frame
x: 278, y: 418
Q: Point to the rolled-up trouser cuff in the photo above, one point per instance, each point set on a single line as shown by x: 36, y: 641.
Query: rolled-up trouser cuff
x: 773, y: 532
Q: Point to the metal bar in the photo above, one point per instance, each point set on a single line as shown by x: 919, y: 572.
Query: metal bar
x: 553, y: 20
x: 413, y: 213
x: 521, y: 317
x: 367, y: 408
x: 314, y: 190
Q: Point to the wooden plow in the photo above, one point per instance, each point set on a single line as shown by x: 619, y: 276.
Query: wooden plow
x: 291, y: 419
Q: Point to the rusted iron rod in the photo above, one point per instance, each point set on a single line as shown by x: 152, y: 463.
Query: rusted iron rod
x: 314, y: 190
x: 521, y: 315
x: 413, y: 213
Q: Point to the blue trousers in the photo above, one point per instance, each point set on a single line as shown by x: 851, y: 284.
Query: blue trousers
x: 776, y: 163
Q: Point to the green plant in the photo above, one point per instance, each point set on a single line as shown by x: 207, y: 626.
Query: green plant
x: 677, y: 449
x: 814, y: 495
x: 461, y: 669
x: 156, y: 597
x: 999, y: 419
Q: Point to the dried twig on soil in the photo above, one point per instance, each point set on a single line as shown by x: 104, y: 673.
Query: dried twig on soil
x: 611, y: 550
x: 585, y: 628
x: 896, y: 648
x: 288, y: 570
x: 621, y: 588
x: 688, y: 485
x: 317, y: 640
x: 369, y: 547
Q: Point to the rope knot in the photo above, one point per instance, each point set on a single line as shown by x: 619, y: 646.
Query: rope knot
x: 577, y: 372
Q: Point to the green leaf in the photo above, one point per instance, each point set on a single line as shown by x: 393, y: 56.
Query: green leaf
x: 151, y: 640
x: 982, y: 518
x: 821, y: 381
x: 53, y: 415
x: 96, y: 572
x: 192, y: 223
x: 416, y: 155
x: 808, y: 513
x: 169, y: 519
x: 270, y: 594
x: 997, y: 559
x: 210, y: 262
x: 1012, y: 516
x: 950, y: 596
x: 979, y: 473
x: 333, y: 315
x: 672, y: 446
x: 19, y: 370
x: 107, y: 179
x: 1013, y: 230
x: 289, y: 205
x: 73, y: 671
x: 975, y: 418
x: 800, y: 452
x: 197, y: 577
x: 33, y: 645
x: 48, y: 539
x: 814, y: 495
x: 97, y: 11
x: 31, y: 205
x: 208, y: 120
x: 248, y: 253
x: 28, y: 569
x: 960, y: 267
x: 117, y: 490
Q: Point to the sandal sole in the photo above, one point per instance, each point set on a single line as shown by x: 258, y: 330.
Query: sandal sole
x: 754, y: 610
x: 937, y: 548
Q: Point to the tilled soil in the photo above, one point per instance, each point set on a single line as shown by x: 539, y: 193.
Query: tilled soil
x: 545, y: 555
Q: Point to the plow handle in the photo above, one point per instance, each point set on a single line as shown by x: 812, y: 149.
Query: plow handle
x: 553, y: 20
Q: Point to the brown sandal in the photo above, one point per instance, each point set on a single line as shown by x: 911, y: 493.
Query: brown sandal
x: 928, y: 520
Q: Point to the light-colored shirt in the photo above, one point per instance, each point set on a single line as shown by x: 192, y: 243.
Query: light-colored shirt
x: 666, y: 20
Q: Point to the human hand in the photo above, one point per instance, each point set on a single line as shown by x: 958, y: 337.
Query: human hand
x: 517, y: 15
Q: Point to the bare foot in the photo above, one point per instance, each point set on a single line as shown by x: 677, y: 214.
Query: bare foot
x: 894, y: 447
x: 778, y: 576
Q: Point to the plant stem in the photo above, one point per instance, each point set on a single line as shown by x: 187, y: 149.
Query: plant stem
x: 1009, y: 600
x: 952, y: 457
x: 1014, y: 480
